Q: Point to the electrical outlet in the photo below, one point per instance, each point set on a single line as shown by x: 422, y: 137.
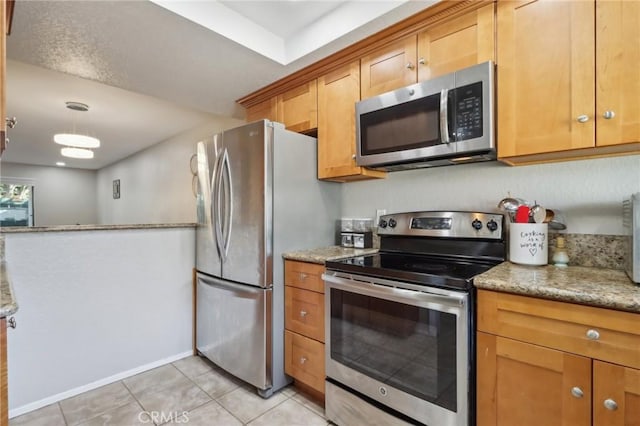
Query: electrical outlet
x: 379, y: 212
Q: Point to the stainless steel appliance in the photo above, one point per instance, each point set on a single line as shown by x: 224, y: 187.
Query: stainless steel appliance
x: 631, y: 224
x: 399, y: 323
x: 444, y: 121
x: 258, y: 196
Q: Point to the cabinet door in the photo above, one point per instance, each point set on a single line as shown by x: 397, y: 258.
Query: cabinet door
x: 263, y: 110
x: 545, y: 76
x: 389, y: 68
x: 616, y: 395
x: 338, y: 93
x: 304, y: 360
x: 617, y: 72
x: 528, y: 385
x: 298, y: 108
x: 459, y: 43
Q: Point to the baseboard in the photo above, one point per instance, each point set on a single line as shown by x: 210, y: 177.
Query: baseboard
x: 94, y: 385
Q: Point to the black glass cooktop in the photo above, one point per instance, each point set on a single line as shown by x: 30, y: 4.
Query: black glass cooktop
x: 417, y: 269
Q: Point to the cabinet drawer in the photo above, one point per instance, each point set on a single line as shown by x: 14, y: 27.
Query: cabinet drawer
x: 304, y: 312
x: 598, y: 333
x: 304, y: 360
x: 304, y: 275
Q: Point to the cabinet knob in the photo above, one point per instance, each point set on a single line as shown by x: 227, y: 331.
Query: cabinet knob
x: 303, y: 314
x: 302, y: 360
x: 610, y: 404
x: 409, y: 66
x: 11, y: 122
x: 11, y: 322
x: 422, y: 61
x: 577, y: 392
x: 593, y: 335
x: 583, y: 118
x: 609, y: 115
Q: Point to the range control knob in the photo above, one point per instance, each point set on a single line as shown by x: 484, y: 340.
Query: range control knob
x: 476, y: 224
x: 392, y: 223
x: 383, y: 223
x: 492, y: 225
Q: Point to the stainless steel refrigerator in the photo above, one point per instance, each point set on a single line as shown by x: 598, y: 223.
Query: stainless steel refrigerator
x: 258, y: 196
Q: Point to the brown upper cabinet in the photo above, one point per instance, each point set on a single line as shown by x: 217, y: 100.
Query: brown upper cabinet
x: 445, y: 47
x: 264, y: 110
x: 298, y: 108
x: 568, y: 79
x: 338, y: 92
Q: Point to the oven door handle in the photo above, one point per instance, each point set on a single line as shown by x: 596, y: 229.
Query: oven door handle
x: 385, y: 289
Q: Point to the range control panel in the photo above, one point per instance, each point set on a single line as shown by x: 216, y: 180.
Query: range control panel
x: 449, y: 224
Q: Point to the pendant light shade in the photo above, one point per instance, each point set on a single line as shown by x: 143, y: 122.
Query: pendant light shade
x: 76, y: 152
x: 76, y: 142
x: 80, y: 141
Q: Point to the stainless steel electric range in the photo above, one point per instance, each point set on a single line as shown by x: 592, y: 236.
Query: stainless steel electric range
x: 400, y: 343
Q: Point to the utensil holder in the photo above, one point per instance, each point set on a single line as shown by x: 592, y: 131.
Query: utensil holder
x: 528, y: 243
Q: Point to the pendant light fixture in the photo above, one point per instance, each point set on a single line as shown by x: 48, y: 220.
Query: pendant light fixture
x: 78, y: 144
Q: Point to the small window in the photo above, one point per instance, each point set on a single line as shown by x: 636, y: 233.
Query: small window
x: 16, y: 204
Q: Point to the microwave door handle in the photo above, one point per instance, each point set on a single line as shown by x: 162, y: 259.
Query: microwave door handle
x: 444, y: 116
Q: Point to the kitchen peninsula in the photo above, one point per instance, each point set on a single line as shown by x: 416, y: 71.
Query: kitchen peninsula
x: 87, y: 293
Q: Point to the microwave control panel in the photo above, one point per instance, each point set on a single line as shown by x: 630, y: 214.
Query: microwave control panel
x: 467, y: 101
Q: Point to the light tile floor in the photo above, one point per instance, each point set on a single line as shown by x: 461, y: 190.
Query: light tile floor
x: 188, y: 392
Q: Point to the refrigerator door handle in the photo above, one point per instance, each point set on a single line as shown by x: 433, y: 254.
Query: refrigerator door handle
x: 228, y: 203
x: 216, y: 206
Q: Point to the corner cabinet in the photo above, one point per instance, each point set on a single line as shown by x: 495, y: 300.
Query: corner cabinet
x: 338, y: 92
x: 298, y: 108
x: 444, y: 47
x: 304, y: 325
x: 568, y: 79
x: 542, y: 362
x: 264, y: 110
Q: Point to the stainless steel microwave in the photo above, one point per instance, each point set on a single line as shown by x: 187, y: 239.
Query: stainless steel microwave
x: 443, y: 121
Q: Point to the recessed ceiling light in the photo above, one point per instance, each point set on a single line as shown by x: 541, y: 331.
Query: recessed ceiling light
x: 61, y: 163
x: 76, y: 152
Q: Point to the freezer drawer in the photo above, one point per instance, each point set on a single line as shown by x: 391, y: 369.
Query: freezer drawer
x: 232, y: 328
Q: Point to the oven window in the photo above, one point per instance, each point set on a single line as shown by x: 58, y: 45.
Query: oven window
x: 412, y: 125
x: 410, y: 348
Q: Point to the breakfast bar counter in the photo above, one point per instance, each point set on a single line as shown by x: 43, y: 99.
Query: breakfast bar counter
x: 599, y: 287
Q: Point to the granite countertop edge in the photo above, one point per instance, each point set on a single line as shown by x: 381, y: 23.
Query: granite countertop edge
x: 9, y: 305
x: 68, y: 228
x: 597, y: 287
x: 323, y: 254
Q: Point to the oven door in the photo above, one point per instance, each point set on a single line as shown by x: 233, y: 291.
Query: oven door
x: 407, y: 349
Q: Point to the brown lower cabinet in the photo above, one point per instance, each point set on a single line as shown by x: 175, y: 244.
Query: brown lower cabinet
x: 542, y: 362
x: 304, y: 325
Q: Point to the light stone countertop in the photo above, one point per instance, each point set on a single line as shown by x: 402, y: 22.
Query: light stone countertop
x: 67, y: 228
x: 322, y: 254
x: 605, y: 288
x: 8, y: 304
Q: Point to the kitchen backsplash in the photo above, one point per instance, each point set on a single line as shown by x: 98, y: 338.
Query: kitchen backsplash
x: 600, y: 251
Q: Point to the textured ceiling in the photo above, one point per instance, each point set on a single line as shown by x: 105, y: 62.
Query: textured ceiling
x: 143, y: 48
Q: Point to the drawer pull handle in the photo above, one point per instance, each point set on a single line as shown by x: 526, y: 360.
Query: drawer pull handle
x: 610, y: 404
x: 303, y: 360
x: 577, y: 392
x: 593, y: 335
x: 303, y: 314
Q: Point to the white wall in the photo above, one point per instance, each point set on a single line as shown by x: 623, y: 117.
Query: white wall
x: 95, y: 307
x: 155, y: 184
x: 589, y: 192
x: 62, y: 196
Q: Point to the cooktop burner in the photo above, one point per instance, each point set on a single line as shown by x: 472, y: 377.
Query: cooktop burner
x: 417, y: 269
